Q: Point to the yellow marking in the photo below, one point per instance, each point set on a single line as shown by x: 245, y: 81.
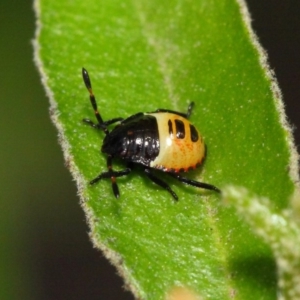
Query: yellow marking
x: 176, y: 153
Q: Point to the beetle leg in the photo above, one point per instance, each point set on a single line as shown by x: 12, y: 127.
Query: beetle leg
x: 109, y: 122
x: 102, y: 125
x: 104, y: 175
x: 91, y: 123
x: 112, y: 175
x: 185, y: 115
x: 160, y: 182
x: 162, y: 110
x: 198, y: 184
x: 189, y: 110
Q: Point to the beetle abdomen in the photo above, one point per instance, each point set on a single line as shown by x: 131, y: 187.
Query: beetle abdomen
x: 181, y: 145
x: 134, y: 139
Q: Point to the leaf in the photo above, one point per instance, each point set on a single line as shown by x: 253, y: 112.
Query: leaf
x: 144, y: 55
x: 280, y: 230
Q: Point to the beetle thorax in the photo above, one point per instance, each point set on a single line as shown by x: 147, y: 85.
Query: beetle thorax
x: 134, y: 140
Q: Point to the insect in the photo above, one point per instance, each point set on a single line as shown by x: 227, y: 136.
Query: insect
x: 164, y: 140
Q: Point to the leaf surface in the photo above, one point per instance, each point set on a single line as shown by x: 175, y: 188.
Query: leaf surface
x: 144, y: 55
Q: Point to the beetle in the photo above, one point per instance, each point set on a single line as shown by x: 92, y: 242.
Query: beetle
x: 164, y: 140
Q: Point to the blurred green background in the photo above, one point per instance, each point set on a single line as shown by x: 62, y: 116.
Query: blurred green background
x: 45, y: 251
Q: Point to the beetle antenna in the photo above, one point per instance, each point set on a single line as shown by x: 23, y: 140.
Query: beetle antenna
x: 87, y: 82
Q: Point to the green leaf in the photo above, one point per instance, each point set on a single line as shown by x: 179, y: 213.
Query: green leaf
x: 280, y: 230
x: 144, y: 55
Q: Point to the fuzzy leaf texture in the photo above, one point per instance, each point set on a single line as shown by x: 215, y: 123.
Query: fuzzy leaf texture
x: 281, y: 230
x: 143, y: 55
